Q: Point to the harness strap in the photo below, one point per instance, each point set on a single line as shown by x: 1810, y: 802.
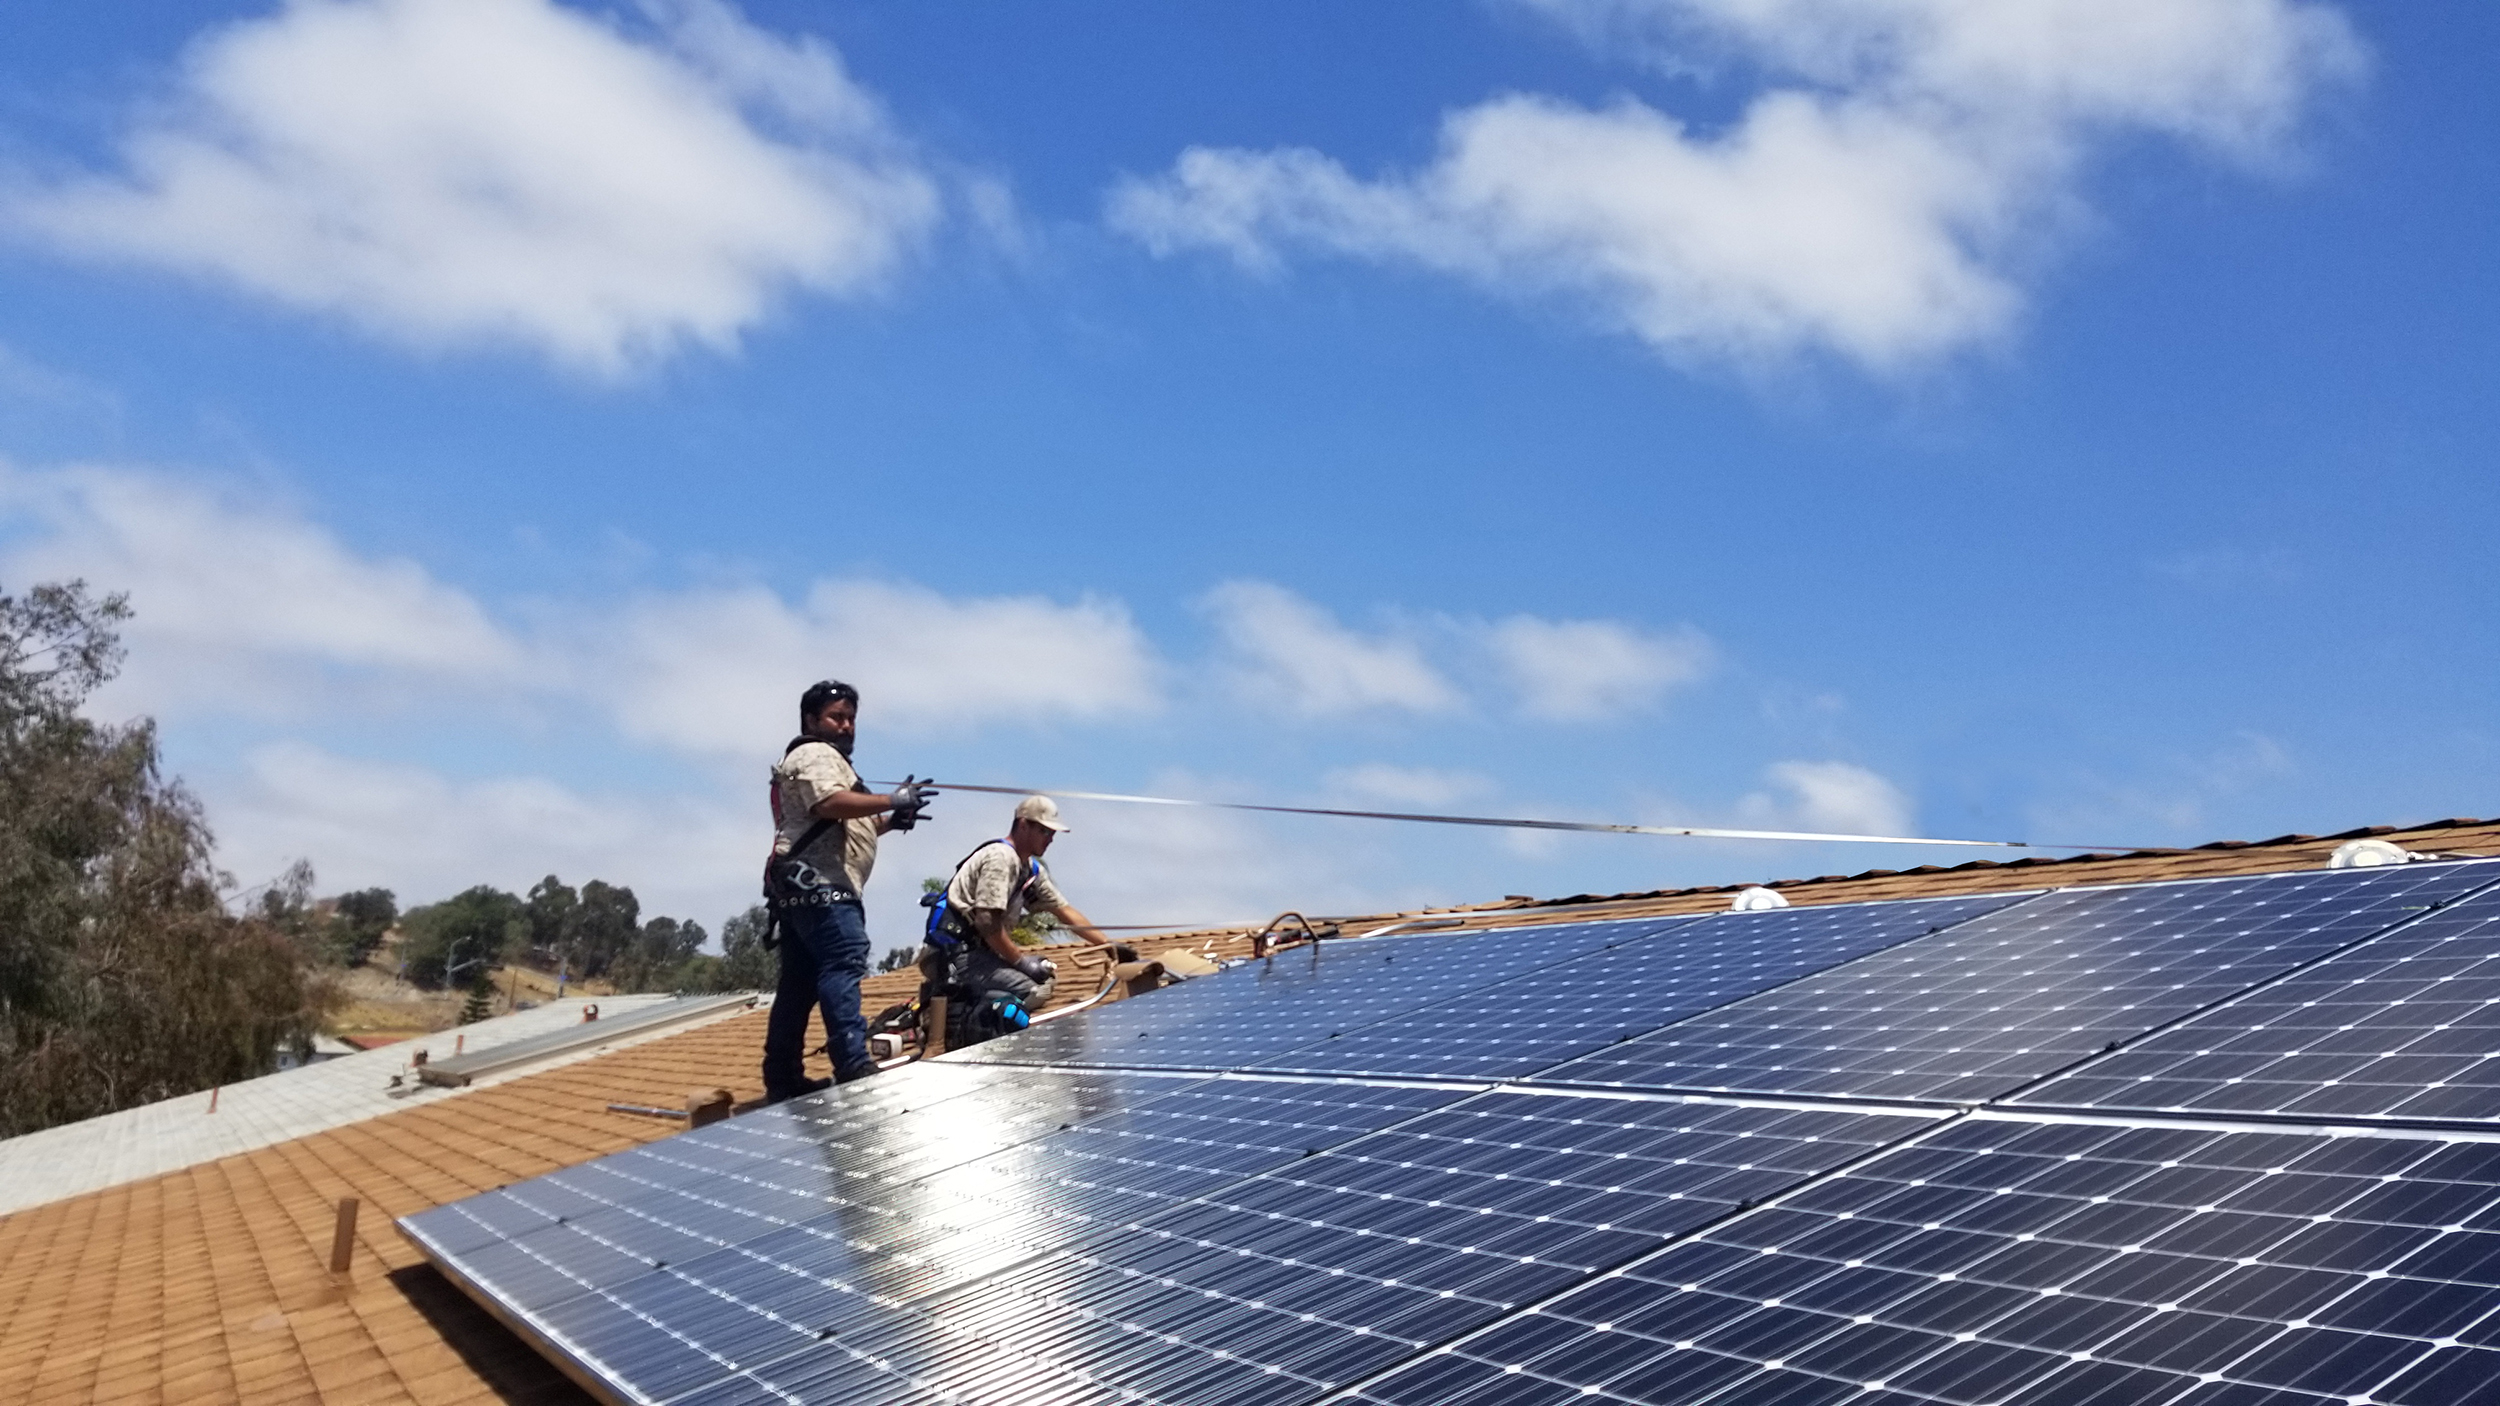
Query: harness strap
x: 946, y: 926
x: 814, y: 832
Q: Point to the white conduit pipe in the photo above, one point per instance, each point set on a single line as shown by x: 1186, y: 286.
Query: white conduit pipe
x: 1583, y: 826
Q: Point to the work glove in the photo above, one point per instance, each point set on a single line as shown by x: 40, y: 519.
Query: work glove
x: 1038, y: 968
x: 911, y: 802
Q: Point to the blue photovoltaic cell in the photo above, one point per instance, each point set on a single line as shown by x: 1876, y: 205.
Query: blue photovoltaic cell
x: 1262, y: 1008
x: 2049, y: 1264
x: 1981, y: 1009
x: 2403, y: 1026
x: 1626, y: 990
x: 677, y: 1263
x: 1285, y: 1286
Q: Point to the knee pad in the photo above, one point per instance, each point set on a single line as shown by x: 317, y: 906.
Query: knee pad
x: 998, y: 1013
x: 984, y: 1015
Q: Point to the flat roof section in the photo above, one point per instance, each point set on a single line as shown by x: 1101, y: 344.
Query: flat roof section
x: 156, y: 1138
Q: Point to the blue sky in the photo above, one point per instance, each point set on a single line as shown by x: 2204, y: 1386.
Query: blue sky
x: 2066, y: 422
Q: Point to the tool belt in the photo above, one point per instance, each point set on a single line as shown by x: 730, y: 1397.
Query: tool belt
x: 796, y: 883
x: 792, y: 883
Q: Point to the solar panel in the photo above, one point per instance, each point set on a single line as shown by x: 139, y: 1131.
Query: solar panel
x: 1978, y: 1010
x: 2403, y: 1026
x: 2059, y: 1263
x: 1358, y: 1222
x: 672, y: 1264
x: 1262, y: 1008
x: 1328, y: 1268
x: 1627, y: 989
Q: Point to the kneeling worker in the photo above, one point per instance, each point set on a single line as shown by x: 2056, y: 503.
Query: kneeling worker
x: 994, y: 987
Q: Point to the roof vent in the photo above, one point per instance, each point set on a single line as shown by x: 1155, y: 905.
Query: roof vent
x: 1757, y: 898
x: 2365, y: 854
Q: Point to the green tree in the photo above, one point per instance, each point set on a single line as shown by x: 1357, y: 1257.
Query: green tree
x: 123, y: 978
x: 743, y: 963
x: 359, y: 921
x: 553, y: 910
x: 481, y: 1002
x: 604, y: 926
x: 657, y: 957
x: 746, y: 964
x: 444, y: 944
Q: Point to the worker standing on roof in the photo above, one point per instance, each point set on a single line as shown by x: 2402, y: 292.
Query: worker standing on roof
x: 826, y: 822
x: 993, y: 988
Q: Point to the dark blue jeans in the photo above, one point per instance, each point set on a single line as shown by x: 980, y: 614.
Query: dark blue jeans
x: 824, y: 953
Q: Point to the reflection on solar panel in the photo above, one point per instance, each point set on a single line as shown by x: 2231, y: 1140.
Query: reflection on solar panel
x: 1627, y: 989
x: 1284, y: 1286
x: 2405, y: 1025
x: 2000, y: 1260
x: 1977, y: 1011
x: 1263, y: 1008
x: 670, y: 1265
x: 1070, y: 1233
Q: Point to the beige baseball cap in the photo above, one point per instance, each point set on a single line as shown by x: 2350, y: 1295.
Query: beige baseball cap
x: 1042, y: 811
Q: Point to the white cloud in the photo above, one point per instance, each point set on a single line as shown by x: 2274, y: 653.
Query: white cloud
x: 1162, y: 864
x: 710, y: 671
x: 248, y: 605
x: 1286, y: 650
x: 235, y: 604
x: 425, y: 836
x: 455, y: 172
x: 1379, y: 782
x: 1876, y: 210
x: 1829, y: 798
x: 31, y: 391
x: 1587, y: 670
x: 2167, y: 797
x: 303, y: 679
x: 2233, y: 74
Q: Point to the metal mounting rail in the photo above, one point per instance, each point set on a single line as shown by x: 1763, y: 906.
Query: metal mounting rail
x: 459, y: 1070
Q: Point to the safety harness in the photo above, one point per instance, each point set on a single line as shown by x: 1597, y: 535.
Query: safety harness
x: 791, y: 881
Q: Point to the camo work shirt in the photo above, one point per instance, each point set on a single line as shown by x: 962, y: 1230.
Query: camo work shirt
x: 993, y: 877
x: 808, y: 774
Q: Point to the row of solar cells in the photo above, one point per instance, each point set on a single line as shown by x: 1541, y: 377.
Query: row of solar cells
x: 1000, y: 1234
x: 1231, y: 1241
x: 1961, y: 1000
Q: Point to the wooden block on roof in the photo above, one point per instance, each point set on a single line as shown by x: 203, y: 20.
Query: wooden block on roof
x: 707, y: 1106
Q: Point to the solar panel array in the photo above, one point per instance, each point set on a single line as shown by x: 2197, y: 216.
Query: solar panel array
x: 2011, y: 1260
x: 2078, y: 1148
x: 1634, y: 985
x: 2405, y: 1026
x: 1315, y: 993
x: 1978, y: 1011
